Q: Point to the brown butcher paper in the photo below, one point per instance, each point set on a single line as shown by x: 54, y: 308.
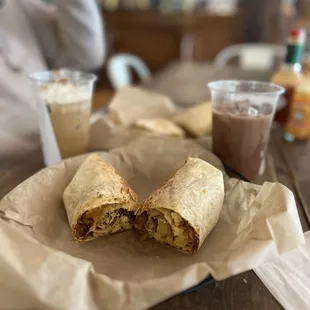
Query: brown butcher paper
x: 42, y: 267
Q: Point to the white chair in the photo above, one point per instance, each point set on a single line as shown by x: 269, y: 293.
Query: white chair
x: 119, y: 70
x: 256, y: 56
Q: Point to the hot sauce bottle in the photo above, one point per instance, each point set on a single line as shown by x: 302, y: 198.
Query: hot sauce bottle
x: 289, y: 76
x: 298, y: 125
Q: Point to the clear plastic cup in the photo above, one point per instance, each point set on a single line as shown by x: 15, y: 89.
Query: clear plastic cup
x: 67, y: 95
x: 242, y: 117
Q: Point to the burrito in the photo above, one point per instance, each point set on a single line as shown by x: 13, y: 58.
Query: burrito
x: 196, y: 120
x: 185, y: 209
x: 160, y: 126
x: 98, y: 200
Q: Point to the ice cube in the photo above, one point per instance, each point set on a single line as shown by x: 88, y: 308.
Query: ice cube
x: 255, y: 106
x: 266, y: 109
x: 241, y: 105
x: 252, y: 111
x: 243, y: 111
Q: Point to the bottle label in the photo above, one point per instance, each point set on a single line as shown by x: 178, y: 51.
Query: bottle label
x: 294, y: 53
x: 285, y: 102
x: 299, y: 120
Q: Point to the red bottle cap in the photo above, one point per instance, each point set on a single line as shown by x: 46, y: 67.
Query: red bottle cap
x: 297, y: 33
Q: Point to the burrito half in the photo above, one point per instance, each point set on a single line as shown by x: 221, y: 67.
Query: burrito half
x: 186, y: 208
x: 196, y: 120
x: 98, y: 200
x: 160, y: 126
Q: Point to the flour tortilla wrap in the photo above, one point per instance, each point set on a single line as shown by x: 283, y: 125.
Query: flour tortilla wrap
x: 196, y: 120
x: 160, y: 126
x: 185, y: 209
x: 98, y: 200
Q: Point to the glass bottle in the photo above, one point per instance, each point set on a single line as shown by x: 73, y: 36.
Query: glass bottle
x: 289, y: 75
x: 298, y: 126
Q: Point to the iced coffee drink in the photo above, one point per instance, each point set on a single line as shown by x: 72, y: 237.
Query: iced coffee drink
x: 242, y: 117
x: 69, y: 110
x: 67, y: 96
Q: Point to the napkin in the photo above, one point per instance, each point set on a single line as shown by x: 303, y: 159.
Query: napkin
x: 288, y: 277
x: 196, y: 120
x: 105, y: 135
x: 160, y: 126
x: 133, y: 103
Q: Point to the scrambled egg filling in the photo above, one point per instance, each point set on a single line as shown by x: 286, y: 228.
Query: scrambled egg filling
x: 167, y: 227
x: 97, y: 222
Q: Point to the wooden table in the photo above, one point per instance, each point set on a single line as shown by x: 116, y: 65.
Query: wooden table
x: 287, y: 163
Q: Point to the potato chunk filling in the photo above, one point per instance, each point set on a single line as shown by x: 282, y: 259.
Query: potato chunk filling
x: 167, y: 227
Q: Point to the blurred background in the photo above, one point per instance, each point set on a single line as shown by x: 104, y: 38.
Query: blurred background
x: 157, y: 33
x: 162, y: 31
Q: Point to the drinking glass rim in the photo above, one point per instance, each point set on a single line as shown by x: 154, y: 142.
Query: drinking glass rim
x: 278, y: 90
x: 51, y: 75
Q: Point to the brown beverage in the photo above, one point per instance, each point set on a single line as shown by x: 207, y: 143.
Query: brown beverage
x: 71, y: 126
x: 240, y: 135
x: 69, y: 107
